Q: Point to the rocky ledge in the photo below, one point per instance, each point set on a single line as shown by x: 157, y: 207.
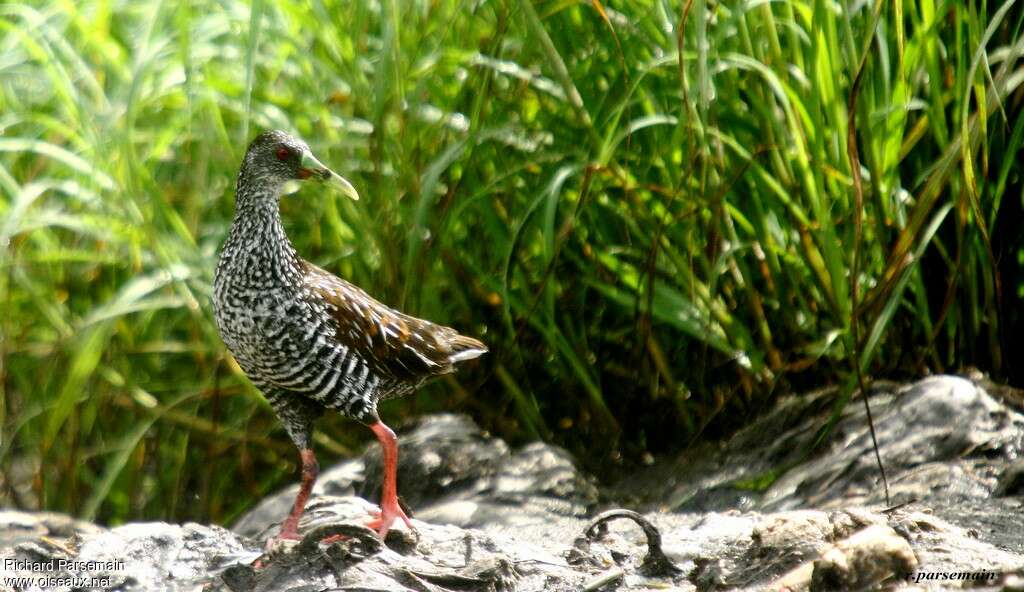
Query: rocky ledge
x: 756, y: 512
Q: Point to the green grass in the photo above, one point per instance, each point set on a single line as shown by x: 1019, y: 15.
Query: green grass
x: 647, y: 210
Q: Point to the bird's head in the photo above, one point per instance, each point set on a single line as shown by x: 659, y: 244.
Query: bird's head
x: 275, y: 157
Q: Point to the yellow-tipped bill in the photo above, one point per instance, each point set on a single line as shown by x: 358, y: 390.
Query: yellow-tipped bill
x: 311, y: 167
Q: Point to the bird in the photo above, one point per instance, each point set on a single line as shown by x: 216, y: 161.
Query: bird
x: 308, y: 340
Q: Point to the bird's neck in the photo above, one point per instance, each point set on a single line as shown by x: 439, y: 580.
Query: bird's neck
x: 257, y: 242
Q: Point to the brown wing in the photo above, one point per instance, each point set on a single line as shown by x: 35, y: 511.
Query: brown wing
x: 394, y: 343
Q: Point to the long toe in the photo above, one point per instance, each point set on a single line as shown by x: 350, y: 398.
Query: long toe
x: 389, y: 512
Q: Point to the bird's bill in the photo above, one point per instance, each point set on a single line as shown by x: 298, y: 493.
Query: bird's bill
x: 311, y: 167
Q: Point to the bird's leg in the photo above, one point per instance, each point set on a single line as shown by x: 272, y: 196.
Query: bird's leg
x: 389, y: 507
x: 310, y: 468
x: 290, y: 526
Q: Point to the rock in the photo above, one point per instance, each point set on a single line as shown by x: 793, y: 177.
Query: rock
x: 805, y: 549
x: 1011, y: 482
x: 159, y: 556
x: 1013, y: 583
x: 863, y: 560
x: 754, y: 513
x: 450, y: 472
x: 867, y: 558
x: 141, y: 556
x: 945, y: 443
x: 19, y: 527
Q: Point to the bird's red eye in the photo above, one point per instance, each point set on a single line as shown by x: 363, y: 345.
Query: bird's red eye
x: 283, y: 153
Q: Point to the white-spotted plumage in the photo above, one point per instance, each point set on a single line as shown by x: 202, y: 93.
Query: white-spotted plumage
x: 308, y: 339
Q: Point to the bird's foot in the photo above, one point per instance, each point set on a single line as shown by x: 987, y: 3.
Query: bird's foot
x: 287, y: 541
x: 389, y: 511
x: 277, y: 546
x: 334, y: 538
x: 286, y: 538
x: 291, y: 542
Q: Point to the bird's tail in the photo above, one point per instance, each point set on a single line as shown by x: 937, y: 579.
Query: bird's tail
x: 465, y: 348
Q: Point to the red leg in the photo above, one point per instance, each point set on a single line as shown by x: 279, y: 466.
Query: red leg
x: 310, y: 468
x: 389, y: 508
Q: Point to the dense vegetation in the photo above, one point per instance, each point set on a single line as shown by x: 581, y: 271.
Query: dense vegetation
x: 652, y: 212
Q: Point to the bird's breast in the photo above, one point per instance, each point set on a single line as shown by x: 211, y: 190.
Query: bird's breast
x: 252, y: 318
